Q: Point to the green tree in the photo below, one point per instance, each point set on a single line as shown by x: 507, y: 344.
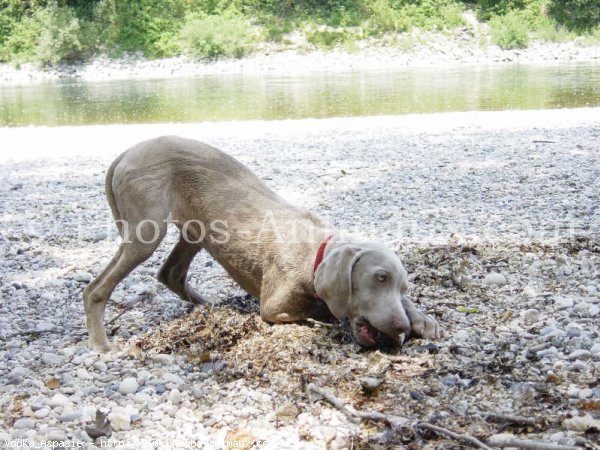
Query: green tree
x: 579, y: 15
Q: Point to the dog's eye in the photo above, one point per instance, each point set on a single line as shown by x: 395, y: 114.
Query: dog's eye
x: 381, y: 277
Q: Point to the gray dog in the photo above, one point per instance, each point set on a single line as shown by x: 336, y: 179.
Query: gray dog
x: 288, y: 257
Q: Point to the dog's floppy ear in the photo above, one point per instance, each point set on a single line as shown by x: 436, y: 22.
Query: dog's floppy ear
x: 333, y: 278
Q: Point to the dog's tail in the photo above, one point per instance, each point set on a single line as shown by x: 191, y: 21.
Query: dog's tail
x: 110, y: 194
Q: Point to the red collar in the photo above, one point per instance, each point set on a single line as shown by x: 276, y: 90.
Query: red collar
x: 320, y: 252
x: 319, y: 260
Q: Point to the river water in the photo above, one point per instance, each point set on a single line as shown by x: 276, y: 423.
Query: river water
x: 243, y: 97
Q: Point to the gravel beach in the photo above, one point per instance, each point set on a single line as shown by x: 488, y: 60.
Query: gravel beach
x: 496, y: 218
x: 414, y: 50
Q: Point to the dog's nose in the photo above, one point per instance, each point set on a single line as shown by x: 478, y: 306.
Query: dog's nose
x: 401, y: 327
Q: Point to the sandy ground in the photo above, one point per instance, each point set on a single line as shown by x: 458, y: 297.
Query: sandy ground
x: 23, y: 143
x: 495, y: 215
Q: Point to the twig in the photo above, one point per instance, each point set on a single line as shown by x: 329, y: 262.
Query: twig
x: 321, y: 324
x: 114, y: 319
x: 458, y: 437
x: 336, y: 402
x: 535, y: 445
x: 540, y: 347
x: 394, y: 421
x: 513, y: 419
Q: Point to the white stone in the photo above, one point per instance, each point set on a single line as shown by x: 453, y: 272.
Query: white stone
x: 163, y: 358
x: 84, y: 374
x: 128, y: 386
x: 175, y: 396
x: 42, y: 327
x: 58, y: 400
x: 88, y: 413
x: 573, y: 391
x: 47, y: 296
x: 497, y: 439
x: 171, y: 378
x: 100, y: 366
x: 142, y: 398
x: 24, y: 423
x: 579, y: 354
x: 120, y: 417
x: 461, y: 336
x: 41, y: 413
x: 69, y: 414
x: 54, y: 434
x: 531, y: 315
x: 494, y: 279
x: 564, y: 303
x: 585, y: 393
x: 51, y: 358
x: 37, y: 402
x: 82, y: 277
x: 581, y: 423
x: 573, y: 330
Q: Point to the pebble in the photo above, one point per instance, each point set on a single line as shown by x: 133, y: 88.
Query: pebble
x: 531, y: 315
x: 128, y: 386
x: 41, y: 413
x: 370, y: 384
x: 581, y: 423
x: 42, y: 327
x: 551, y: 332
x: 100, y: 366
x: 120, y: 417
x: 58, y: 400
x: 47, y: 297
x: 564, y: 303
x: 24, y: 423
x: 580, y: 366
x: 51, y: 358
x: 496, y: 439
x: 70, y: 416
x: 573, y: 330
x: 17, y: 375
x: 585, y: 393
x: 54, y: 434
x: 163, y: 358
x: 84, y: 374
x: 197, y: 392
x: 461, y: 336
x: 82, y: 277
x: 579, y: 354
x: 573, y: 391
x: 494, y: 279
x: 37, y: 402
x: 174, y: 396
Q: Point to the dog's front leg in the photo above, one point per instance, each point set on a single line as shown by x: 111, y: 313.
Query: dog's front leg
x: 421, y: 324
x: 279, y: 301
x: 277, y: 308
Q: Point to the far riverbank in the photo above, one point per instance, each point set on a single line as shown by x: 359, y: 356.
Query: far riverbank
x: 422, y: 49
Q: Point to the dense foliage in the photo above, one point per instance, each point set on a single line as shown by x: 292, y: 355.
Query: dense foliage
x: 53, y: 31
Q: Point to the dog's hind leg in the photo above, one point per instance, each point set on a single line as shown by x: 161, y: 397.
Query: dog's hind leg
x: 173, y: 273
x: 137, y: 246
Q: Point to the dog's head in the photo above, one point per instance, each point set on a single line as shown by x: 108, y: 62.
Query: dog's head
x: 364, y: 283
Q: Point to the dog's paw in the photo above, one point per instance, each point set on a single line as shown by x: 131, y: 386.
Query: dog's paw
x: 424, y: 326
x: 104, y: 347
